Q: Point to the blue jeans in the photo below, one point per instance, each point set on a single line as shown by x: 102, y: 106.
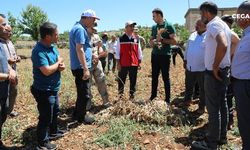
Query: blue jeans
x: 216, y: 102
x: 83, y: 95
x: 241, y: 89
x: 48, y: 108
x: 160, y: 63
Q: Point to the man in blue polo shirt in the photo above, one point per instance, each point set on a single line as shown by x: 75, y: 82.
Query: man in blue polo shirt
x: 47, y: 67
x: 80, y: 62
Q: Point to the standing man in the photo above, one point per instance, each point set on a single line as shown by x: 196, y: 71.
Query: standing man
x: 128, y: 57
x: 12, y: 60
x: 105, y: 49
x: 194, y: 64
x: 80, y: 61
x: 47, y: 67
x: 217, y: 63
x: 112, y: 44
x: 7, y: 74
x: 96, y: 69
x: 140, y: 39
x: 234, y: 41
x: 241, y: 75
x: 162, y: 37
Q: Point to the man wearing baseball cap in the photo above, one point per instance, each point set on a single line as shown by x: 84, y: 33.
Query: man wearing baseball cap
x: 128, y: 55
x: 80, y: 62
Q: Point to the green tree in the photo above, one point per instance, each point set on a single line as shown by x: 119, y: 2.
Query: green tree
x: 181, y: 32
x: 16, y: 31
x: 237, y: 29
x: 32, y: 18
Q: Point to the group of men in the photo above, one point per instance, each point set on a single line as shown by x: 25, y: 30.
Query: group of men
x: 212, y: 51
x: 213, y: 56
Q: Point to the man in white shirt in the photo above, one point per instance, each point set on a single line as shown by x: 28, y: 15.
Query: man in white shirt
x: 241, y: 75
x: 111, y: 53
x: 217, y: 63
x: 194, y: 64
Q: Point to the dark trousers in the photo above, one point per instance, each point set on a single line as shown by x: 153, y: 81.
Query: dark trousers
x: 122, y: 74
x: 242, y: 94
x: 103, y: 61
x: 216, y: 103
x: 111, y: 58
x: 48, y: 108
x: 4, y: 89
x: 191, y: 79
x: 160, y: 63
x: 230, y: 96
x: 83, y: 96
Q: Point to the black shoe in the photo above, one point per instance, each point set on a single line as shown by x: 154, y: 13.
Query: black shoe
x: 131, y: 97
x: 59, y: 134
x: 107, y: 105
x: 14, y: 114
x: 88, y: 119
x: 46, y: 146
x: 152, y: 97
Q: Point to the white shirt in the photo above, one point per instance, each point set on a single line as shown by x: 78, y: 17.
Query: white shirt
x: 195, y: 52
x: 214, y: 27
x: 112, y: 46
x: 241, y: 60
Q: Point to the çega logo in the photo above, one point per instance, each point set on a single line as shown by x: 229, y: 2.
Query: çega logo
x: 241, y: 16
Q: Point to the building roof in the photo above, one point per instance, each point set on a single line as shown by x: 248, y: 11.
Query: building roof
x: 220, y: 9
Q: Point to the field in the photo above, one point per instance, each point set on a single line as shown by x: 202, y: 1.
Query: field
x: 125, y: 125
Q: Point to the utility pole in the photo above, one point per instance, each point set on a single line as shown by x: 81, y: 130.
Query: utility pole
x: 188, y: 4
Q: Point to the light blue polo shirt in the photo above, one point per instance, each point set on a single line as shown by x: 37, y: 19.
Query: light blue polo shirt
x: 79, y: 35
x: 241, y: 60
x: 45, y: 56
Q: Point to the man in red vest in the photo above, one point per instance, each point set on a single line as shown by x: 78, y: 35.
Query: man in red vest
x: 128, y: 56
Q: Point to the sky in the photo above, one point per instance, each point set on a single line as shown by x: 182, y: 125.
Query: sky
x: 112, y: 13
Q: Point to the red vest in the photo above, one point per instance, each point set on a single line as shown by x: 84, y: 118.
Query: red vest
x: 129, y: 53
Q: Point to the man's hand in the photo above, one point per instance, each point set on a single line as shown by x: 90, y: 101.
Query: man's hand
x: 86, y: 74
x: 18, y: 59
x: 61, y: 67
x: 12, y: 76
x: 11, y: 61
x: 216, y: 72
x: 95, y: 59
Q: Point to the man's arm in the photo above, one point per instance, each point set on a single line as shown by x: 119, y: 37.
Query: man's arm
x: 81, y: 56
x: 171, y: 41
x: 221, y: 50
x: 48, y: 70
x: 234, y: 42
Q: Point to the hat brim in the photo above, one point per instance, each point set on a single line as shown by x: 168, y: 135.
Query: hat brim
x: 96, y: 18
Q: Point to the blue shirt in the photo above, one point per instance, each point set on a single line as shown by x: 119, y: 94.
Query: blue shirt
x: 3, y: 60
x: 241, y: 60
x: 79, y: 35
x: 3, y: 69
x: 45, y: 56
